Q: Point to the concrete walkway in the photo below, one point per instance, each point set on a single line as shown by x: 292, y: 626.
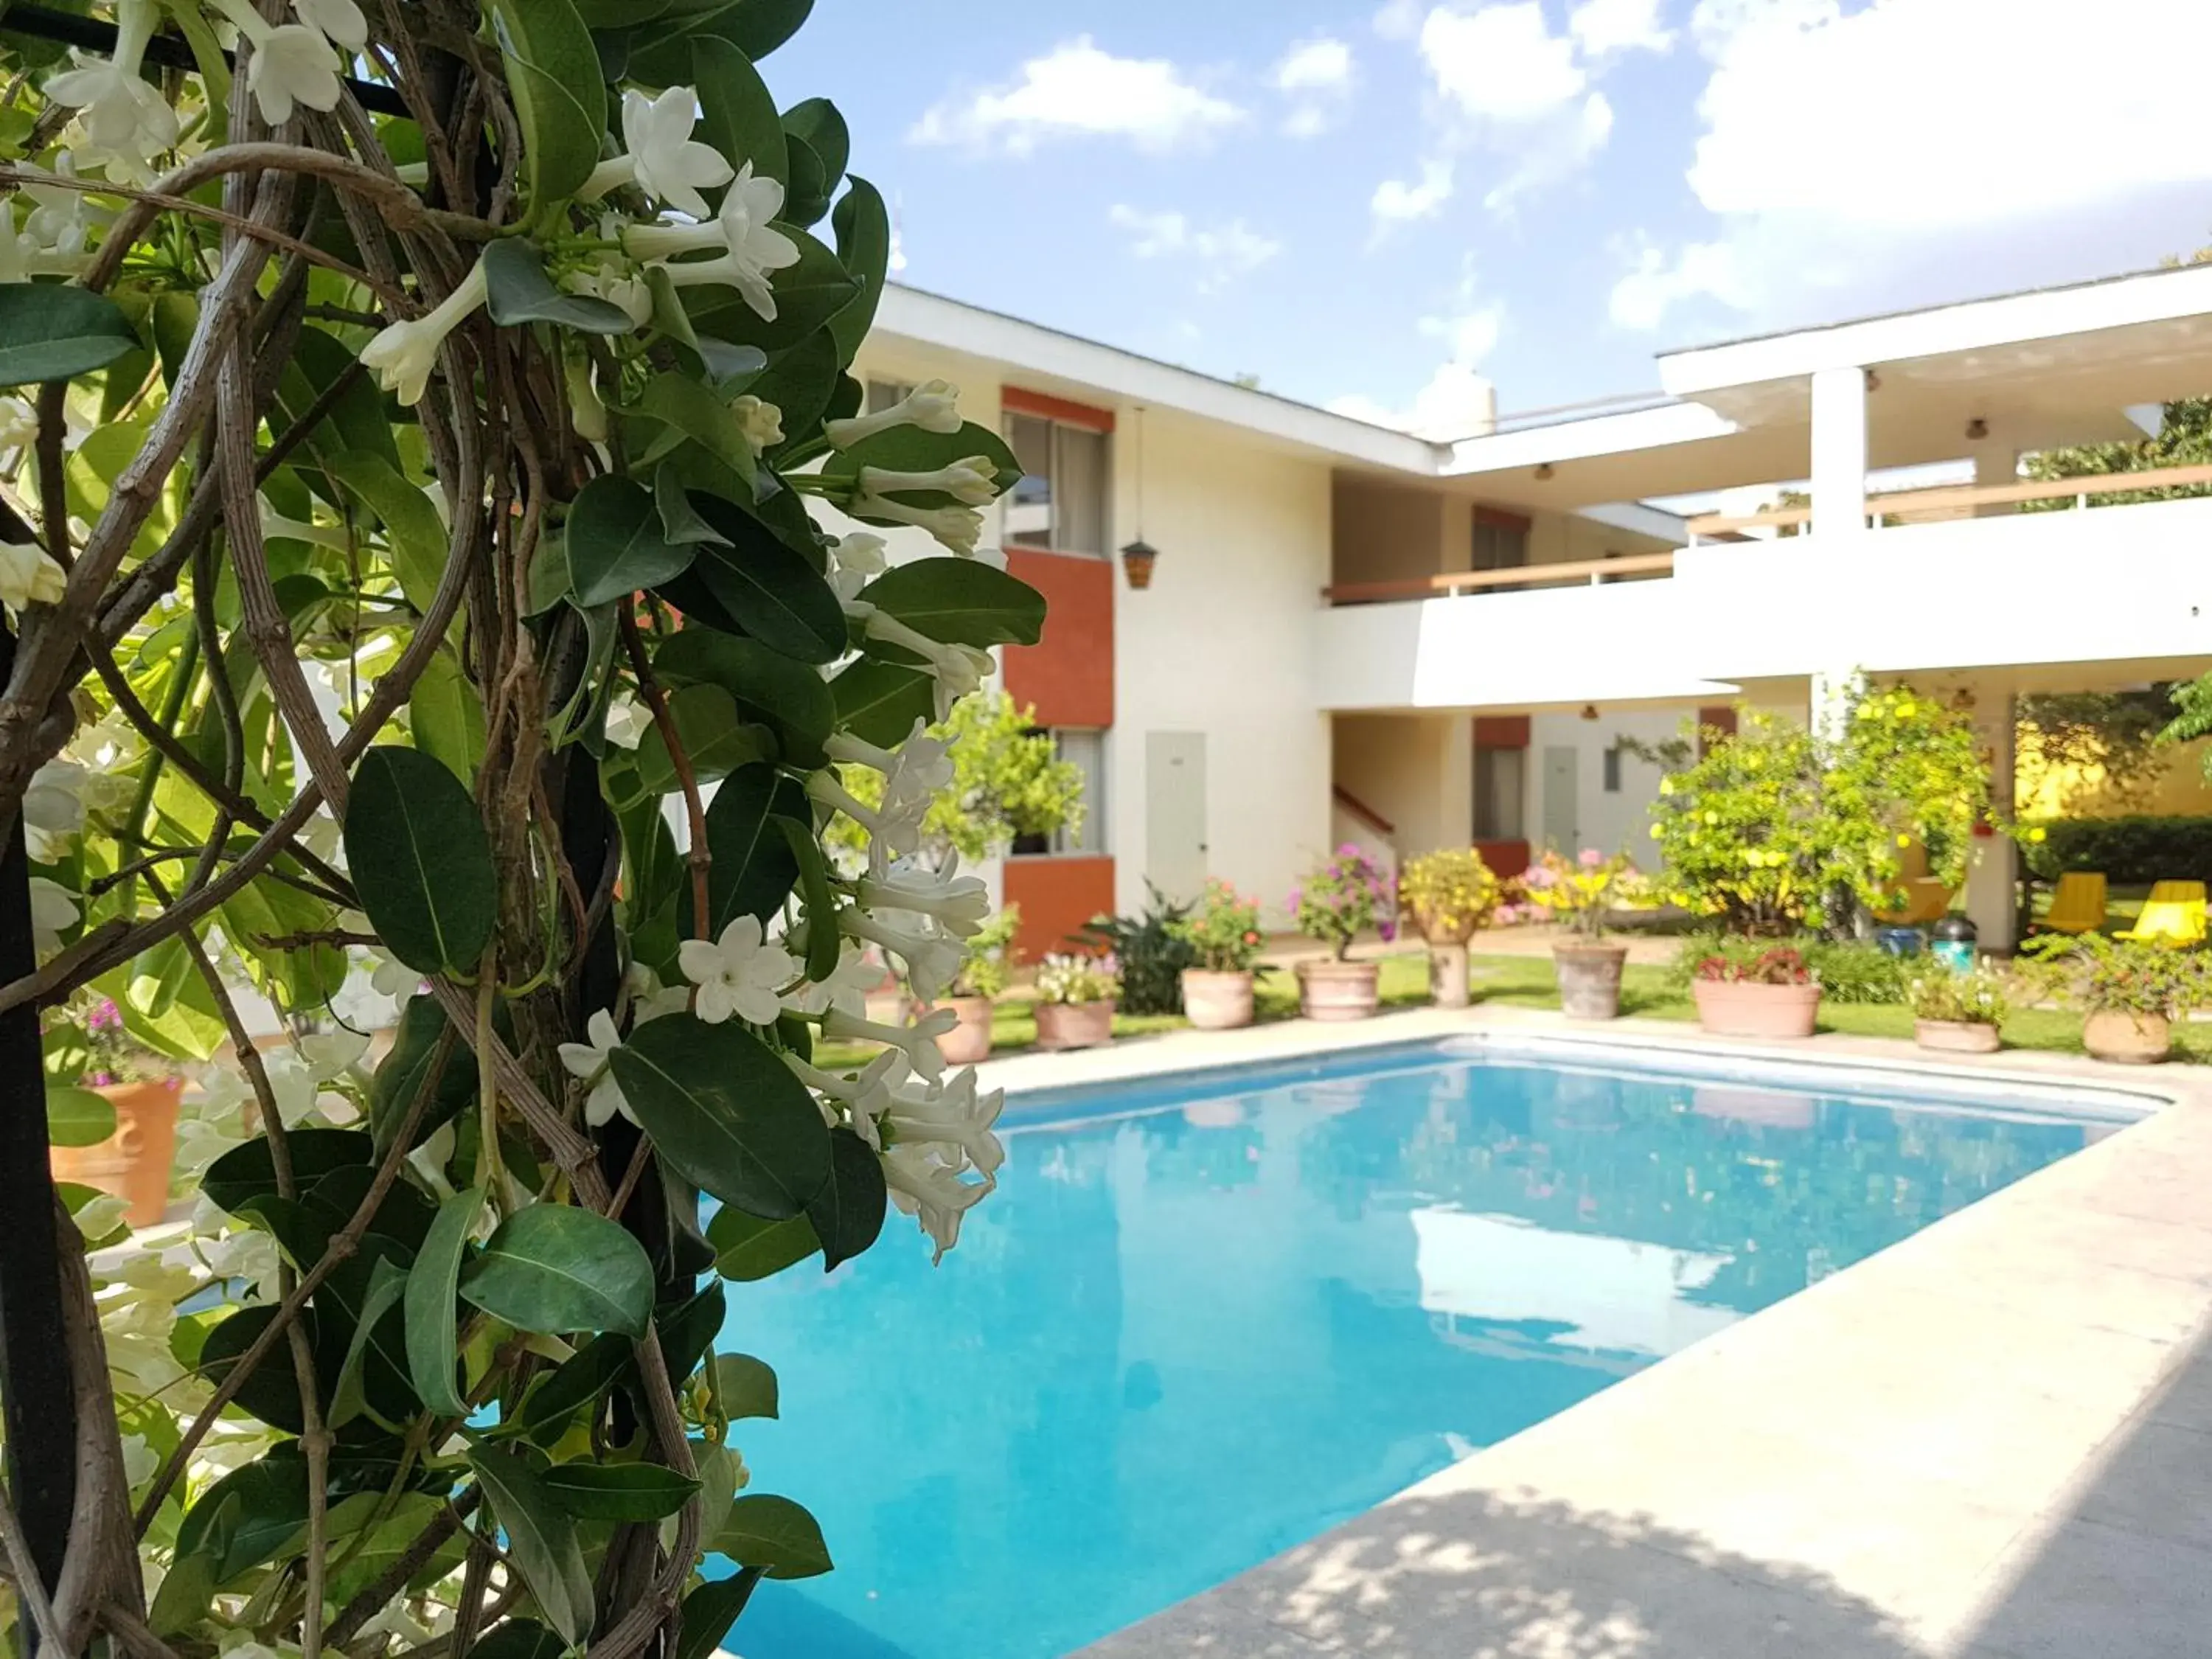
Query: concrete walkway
x: 1992, y: 1441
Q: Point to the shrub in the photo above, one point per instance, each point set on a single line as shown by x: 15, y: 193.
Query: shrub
x: 992, y: 957
x: 2132, y: 851
x: 2101, y: 974
x: 1738, y: 963
x: 1975, y: 999
x: 1152, y: 953
x: 1068, y: 977
x: 1342, y: 898
x: 1451, y: 893
x: 1577, y: 892
x: 1226, y: 933
x: 1850, y: 972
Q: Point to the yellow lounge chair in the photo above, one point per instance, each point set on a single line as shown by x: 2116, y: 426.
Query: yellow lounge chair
x: 1920, y: 898
x: 2079, y: 904
x: 2172, y: 915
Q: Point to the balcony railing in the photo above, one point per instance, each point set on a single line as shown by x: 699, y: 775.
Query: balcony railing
x: 1594, y: 572
x: 1949, y: 501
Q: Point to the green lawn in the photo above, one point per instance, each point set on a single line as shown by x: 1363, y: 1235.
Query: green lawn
x: 1525, y: 982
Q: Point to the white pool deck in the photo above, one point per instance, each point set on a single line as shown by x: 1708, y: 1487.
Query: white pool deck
x: 1993, y: 1440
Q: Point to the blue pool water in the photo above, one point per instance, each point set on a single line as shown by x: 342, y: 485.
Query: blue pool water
x: 1200, y: 1322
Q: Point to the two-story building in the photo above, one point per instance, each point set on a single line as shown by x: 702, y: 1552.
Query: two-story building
x: 1354, y: 634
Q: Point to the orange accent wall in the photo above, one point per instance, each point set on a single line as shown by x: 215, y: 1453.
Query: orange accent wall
x: 1501, y: 730
x: 1069, y: 674
x: 1019, y: 400
x: 1057, y: 897
x: 1506, y: 858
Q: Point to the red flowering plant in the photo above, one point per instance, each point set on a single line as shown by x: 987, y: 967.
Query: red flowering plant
x: 1778, y: 965
x: 1343, y: 898
x: 1222, y: 929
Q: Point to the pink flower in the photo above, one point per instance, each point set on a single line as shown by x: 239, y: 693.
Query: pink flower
x: 1591, y: 859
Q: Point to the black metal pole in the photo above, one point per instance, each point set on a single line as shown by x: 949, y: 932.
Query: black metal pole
x: 35, y: 1390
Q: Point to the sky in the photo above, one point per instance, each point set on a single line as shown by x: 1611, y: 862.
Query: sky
x: 1382, y: 206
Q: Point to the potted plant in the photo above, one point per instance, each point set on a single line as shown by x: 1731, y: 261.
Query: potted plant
x: 1075, y: 1000
x: 1451, y: 893
x: 1959, y: 1014
x: 141, y: 1088
x: 1576, y: 893
x: 1341, y: 899
x: 980, y: 981
x: 1223, y: 934
x: 2131, y: 993
x: 1750, y: 990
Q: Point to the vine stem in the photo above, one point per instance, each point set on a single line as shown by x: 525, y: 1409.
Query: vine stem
x: 697, y: 855
x: 30, y: 1588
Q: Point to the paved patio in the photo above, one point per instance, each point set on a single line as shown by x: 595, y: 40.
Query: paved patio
x: 1992, y: 1441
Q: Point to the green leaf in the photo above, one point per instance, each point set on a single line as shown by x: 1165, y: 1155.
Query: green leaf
x: 555, y: 1268
x: 559, y: 95
x: 817, y: 121
x: 808, y: 189
x: 725, y: 1114
x: 541, y: 1540
x: 687, y: 1329
x: 271, y: 1393
x: 446, y: 715
x: 616, y: 543
x: 618, y: 1491
x: 746, y: 1385
x: 710, y: 1611
x: 412, y: 527
x: 915, y: 449
x: 247, y: 1516
x: 420, y: 860
x: 520, y: 1639
x: 822, y: 937
x: 878, y: 702
x: 959, y: 602
x: 749, y: 1249
x: 715, y: 741
x: 78, y: 1117
x: 583, y: 1377
x: 247, y: 1172
x: 863, y: 226
x: 318, y: 360
x: 56, y: 331
x: 736, y: 115
x: 807, y: 295
x: 774, y: 1534
x: 847, y: 1214
x: 387, y: 1284
x: 403, y: 1071
x: 517, y: 290
x: 680, y: 522
x: 793, y: 700
x: 752, y: 870
x: 799, y: 384
x: 433, y: 1323
x: 771, y: 589
x: 689, y: 409
x: 756, y: 27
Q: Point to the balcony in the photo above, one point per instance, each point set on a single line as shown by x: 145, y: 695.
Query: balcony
x: 1917, y: 591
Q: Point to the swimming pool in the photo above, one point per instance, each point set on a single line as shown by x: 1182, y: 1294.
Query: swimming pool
x: 1203, y: 1319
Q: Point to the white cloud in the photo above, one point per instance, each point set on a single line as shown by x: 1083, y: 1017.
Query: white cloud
x: 1838, y: 147
x: 1316, y: 77
x: 1077, y: 90
x: 1399, y: 20
x: 1501, y: 64
x: 1456, y: 403
x: 1222, y: 252
x: 1396, y: 201
x: 1607, y: 25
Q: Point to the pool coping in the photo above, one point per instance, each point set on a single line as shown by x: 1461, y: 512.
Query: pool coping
x: 1835, y: 1475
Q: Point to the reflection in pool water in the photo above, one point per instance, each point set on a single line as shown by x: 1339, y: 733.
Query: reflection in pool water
x: 1182, y: 1338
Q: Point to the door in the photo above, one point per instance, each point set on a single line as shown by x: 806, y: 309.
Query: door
x: 1175, y: 813
x: 1562, y: 799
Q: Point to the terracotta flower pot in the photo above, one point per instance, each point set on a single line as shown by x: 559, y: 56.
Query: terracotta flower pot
x: 2127, y: 1039
x: 1590, y: 979
x: 1074, y: 1024
x: 133, y: 1162
x: 1748, y: 1009
x: 970, y: 1040
x: 1334, y: 990
x: 1217, y: 1001
x: 1448, y: 973
x: 1957, y: 1037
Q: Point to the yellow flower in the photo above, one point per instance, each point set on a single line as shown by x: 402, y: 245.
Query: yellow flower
x: 1904, y: 840
x: 2039, y: 834
x: 1713, y: 818
x: 1658, y: 832
x: 1906, y: 709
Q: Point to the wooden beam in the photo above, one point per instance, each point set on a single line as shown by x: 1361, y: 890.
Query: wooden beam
x: 1451, y: 581
x: 1950, y: 498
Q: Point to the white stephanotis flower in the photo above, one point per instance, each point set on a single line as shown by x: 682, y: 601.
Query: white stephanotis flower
x: 395, y: 979
x: 752, y: 249
x: 341, y: 20
x: 54, y: 807
x: 663, y: 158
x: 915, y: 774
x: 19, y: 424
x: 761, y: 423
x: 918, y: 1041
x: 932, y: 960
x: 403, y: 353
x: 649, y: 999
x: 53, y: 911
x: 848, y: 988
x: 960, y: 904
x: 957, y: 529
x: 867, y: 1096
x: 291, y: 63
x: 972, y: 482
x: 627, y: 721
x: 741, y: 973
x: 588, y: 1062
x: 925, y: 1184
x: 855, y: 560
x: 894, y: 829
x: 952, y: 1114
x: 126, y: 121
x: 62, y: 215
x: 957, y: 669
x: 934, y: 406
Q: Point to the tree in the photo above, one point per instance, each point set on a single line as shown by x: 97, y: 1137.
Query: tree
x: 371, y: 436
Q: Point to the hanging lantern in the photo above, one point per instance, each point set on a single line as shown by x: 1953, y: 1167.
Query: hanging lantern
x: 1137, y: 560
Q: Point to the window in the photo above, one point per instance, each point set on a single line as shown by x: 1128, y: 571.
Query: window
x: 887, y: 394
x: 1500, y: 544
x: 1612, y: 769
x: 1060, y: 501
x: 1086, y: 751
x: 1498, y: 814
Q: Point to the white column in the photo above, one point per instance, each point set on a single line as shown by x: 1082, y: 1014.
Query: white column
x: 1991, y: 878
x: 1996, y: 463
x: 1839, y: 452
